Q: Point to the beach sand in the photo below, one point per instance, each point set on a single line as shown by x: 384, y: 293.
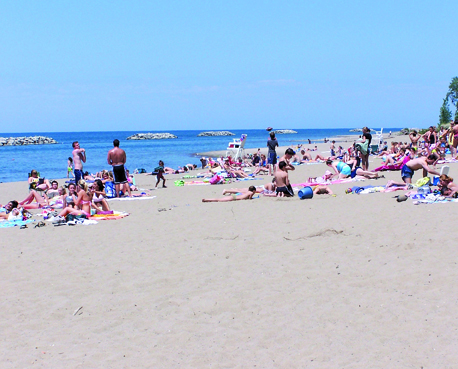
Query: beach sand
x: 352, y: 281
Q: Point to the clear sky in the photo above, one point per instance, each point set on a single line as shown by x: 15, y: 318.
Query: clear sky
x: 166, y: 65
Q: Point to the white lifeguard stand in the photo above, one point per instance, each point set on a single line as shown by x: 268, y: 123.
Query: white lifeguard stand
x: 235, y: 148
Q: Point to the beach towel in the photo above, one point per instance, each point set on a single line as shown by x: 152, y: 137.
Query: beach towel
x: 114, y: 216
x: 362, y: 147
x: 133, y: 198
x: 14, y: 223
x: 346, y: 180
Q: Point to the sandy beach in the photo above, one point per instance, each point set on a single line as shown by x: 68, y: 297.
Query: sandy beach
x: 352, y: 281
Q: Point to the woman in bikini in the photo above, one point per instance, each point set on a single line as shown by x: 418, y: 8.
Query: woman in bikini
x: 83, y: 202
x: 356, y: 170
x: 71, y: 196
x: 41, y: 201
x: 446, y: 186
x: 98, y: 200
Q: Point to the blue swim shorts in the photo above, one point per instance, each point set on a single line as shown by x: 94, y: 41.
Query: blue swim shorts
x: 78, y: 175
x: 272, y: 159
x: 406, y: 172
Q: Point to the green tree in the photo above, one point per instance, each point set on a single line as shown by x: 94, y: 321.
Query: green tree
x: 452, y: 94
x: 445, y: 114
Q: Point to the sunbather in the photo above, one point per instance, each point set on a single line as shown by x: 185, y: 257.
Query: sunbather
x: 83, y: 201
x: 12, y: 212
x: 41, y: 201
x: 245, y: 196
x: 447, y: 187
x: 322, y: 190
x: 37, y: 183
x: 98, y: 199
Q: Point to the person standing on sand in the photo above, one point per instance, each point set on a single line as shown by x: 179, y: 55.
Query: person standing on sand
x: 365, y: 155
x: 79, y: 157
x: 70, y: 167
x: 117, y: 158
x: 272, y: 143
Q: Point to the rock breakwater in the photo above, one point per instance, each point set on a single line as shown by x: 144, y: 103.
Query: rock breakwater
x: 151, y: 136
x: 215, y: 133
x: 30, y: 140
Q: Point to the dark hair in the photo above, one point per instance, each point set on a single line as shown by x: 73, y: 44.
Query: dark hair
x: 74, y: 143
x: 71, y: 160
x: 99, y: 184
x: 272, y: 134
x: 14, y: 204
x: 116, y: 142
x: 252, y: 189
x: 161, y: 162
x: 54, y: 182
x: 282, y: 164
x: 432, y: 157
x: 289, y: 151
x: 328, y: 162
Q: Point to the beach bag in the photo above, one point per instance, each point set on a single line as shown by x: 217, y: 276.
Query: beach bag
x: 216, y: 179
x: 71, y: 217
x: 305, y: 193
x: 424, y: 190
x: 110, y: 189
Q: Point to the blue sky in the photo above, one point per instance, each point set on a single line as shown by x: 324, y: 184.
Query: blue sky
x: 165, y: 65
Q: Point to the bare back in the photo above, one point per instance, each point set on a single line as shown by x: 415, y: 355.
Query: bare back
x: 281, y: 178
x: 116, y: 156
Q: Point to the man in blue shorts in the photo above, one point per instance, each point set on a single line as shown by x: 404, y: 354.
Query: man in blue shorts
x: 79, y: 157
x: 419, y: 163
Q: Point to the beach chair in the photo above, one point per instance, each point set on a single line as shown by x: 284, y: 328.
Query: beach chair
x: 378, y: 137
x: 445, y: 169
x: 236, y: 149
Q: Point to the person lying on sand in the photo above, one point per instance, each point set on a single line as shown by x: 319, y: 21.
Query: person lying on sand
x: 322, y: 190
x: 267, y: 190
x: 245, y: 196
x: 12, y: 211
x: 446, y: 186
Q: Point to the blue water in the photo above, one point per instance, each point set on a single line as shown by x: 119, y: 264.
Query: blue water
x: 51, y: 160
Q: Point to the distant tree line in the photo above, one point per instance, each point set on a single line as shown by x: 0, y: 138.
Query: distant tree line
x: 445, y: 115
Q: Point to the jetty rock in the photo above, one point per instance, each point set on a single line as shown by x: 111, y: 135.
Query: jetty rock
x: 216, y: 133
x: 284, y: 131
x: 151, y: 136
x: 30, y: 140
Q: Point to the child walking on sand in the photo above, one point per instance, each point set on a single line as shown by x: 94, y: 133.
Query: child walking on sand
x: 70, y: 167
x: 160, y: 174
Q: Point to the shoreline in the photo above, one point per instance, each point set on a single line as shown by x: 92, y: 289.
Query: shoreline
x: 321, y: 146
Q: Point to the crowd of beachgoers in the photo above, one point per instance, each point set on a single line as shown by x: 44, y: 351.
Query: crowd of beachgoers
x: 87, y: 193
